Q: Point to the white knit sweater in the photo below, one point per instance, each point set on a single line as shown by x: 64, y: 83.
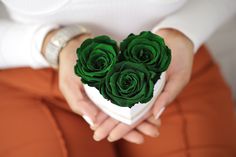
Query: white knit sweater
x: 22, y: 34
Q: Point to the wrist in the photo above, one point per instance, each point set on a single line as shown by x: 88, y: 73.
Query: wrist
x: 167, y: 33
x: 73, y: 44
x: 56, y: 40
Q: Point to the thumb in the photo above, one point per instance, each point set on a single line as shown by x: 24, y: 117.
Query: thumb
x: 88, y: 111
x: 80, y: 104
x: 170, y: 91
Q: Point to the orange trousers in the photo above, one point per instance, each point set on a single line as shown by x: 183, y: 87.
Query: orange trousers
x: 35, y: 120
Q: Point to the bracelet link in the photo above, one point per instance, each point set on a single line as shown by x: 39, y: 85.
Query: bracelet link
x: 59, y: 41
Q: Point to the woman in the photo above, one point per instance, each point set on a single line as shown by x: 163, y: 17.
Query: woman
x: 41, y: 107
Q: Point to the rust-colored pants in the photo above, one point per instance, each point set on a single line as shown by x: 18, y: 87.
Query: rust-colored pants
x: 35, y: 120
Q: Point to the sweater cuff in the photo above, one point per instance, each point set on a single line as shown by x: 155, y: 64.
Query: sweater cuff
x: 182, y: 27
x: 20, y: 44
x: 199, y: 19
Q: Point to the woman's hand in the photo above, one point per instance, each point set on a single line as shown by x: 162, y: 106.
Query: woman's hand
x: 179, y: 71
x: 178, y: 76
x: 113, y: 130
x: 70, y: 84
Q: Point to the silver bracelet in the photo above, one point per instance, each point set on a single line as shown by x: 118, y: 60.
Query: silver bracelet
x: 59, y: 40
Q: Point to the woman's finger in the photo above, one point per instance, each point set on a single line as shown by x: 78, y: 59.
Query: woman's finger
x: 79, y: 104
x: 134, y: 137
x: 156, y: 122
x: 104, y: 129
x: 148, y: 129
x: 122, y: 129
x: 173, y: 87
x: 119, y: 131
x: 100, y: 118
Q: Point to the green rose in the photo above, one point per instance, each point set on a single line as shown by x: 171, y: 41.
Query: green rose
x: 127, y: 83
x: 147, y: 48
x: 95, y: 58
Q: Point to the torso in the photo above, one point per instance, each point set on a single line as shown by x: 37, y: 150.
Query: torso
x: 117, y: 18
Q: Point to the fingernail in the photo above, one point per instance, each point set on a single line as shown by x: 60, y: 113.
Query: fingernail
x: 92, y: 127
x: 153, y: 134
x: 110, y: 139
x: 156, y: 134
x: 138, y: 142
x: 96, y: 137
x: 159, y: 113
x: 88, y: 120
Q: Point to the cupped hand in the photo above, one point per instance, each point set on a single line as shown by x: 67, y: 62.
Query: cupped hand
x: 178, y: 75
x: 113, y: 130
x: 73, y: 91
x: 70, y: 84
x: 179, y: 71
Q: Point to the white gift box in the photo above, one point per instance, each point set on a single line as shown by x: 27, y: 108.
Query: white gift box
x: 125, y: 114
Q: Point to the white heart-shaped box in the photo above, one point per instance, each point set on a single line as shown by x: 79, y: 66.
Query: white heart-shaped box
x: 125, y: 114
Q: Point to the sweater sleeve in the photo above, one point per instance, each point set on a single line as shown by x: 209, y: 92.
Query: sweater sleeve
x: 20, y: 44
x: 198, y: 19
